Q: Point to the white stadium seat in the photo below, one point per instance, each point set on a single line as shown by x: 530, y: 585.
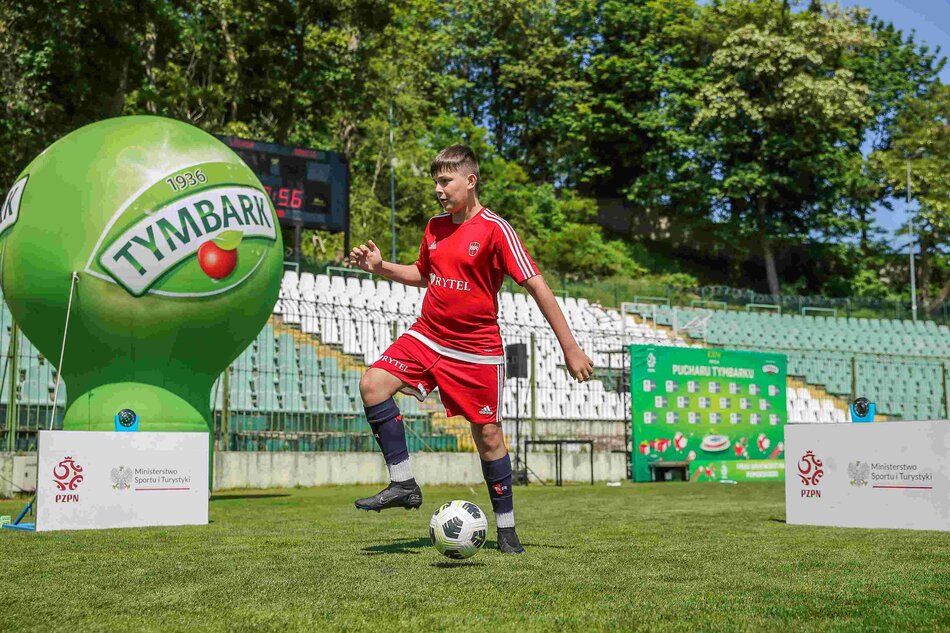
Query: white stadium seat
x: 362, y: 317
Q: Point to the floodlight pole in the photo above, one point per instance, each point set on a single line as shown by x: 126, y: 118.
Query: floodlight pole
x: 12, y: 419
x: 392, y: 184
x: 225, y: 386
x: 913, y: 276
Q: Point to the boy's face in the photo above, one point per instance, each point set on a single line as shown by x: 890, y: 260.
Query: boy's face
x: 452, y: 189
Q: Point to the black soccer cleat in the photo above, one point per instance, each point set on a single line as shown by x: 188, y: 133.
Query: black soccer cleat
x: 393, y: 496
x: 508, y: 541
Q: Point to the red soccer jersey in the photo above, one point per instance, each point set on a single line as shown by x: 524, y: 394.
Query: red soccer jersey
x: 466, y: 265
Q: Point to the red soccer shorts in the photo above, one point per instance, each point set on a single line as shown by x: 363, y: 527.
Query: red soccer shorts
x: 472, y: 390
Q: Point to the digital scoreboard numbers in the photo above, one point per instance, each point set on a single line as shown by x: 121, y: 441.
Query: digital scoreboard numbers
x: 309, y: 188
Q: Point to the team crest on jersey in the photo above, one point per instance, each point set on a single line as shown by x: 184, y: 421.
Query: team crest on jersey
x: 473, y: 249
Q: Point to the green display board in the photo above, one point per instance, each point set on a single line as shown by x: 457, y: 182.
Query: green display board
x: 721, y: 412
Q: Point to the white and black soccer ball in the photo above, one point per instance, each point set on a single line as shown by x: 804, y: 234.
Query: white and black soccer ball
x: 458, y: 529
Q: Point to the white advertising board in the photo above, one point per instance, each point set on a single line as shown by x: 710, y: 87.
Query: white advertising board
x: 88, y: 480
x: 878, y: 475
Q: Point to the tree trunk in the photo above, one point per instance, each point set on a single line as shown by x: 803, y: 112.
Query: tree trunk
x: 863, y: 217
x: 118, y: 99
x: 770, y: 273
x: 944, y: 294
x: 496, y: 110
x: 233, y: 71
x: 151, y: 36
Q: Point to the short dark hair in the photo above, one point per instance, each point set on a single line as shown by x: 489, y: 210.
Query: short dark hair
x: 456, y: 159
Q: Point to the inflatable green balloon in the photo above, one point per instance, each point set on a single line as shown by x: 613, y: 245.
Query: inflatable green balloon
x: 179, y: 257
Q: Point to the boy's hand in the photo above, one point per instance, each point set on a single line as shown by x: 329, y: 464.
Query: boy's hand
x: 366, y: 257
x: 579, y: 364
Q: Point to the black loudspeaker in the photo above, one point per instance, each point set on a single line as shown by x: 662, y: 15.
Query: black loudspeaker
x: 516, y: 359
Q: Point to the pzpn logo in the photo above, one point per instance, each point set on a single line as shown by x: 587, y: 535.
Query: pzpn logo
x: 67, y: 475
x: 810, y: 471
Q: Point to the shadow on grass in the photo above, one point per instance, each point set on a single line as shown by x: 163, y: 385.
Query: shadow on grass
x: 397, y: 546
x: 457, y: 563
x: 416, y: 545
x: 247, y: 496
x: 541, y: 545
x: 774, y: 520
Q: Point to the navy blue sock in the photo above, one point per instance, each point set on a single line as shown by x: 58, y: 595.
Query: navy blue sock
x: 386, y: 422
x: 498, y: 477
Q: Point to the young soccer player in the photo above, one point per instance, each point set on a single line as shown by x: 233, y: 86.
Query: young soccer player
x: 455, y: 344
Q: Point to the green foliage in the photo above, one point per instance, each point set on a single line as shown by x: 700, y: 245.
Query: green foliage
x: 921, y: 144
x: 579, y: 251
x: 869, y: 284
x: 730, y: 132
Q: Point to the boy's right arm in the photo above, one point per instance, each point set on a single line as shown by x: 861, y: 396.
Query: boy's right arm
x: 367, y: 257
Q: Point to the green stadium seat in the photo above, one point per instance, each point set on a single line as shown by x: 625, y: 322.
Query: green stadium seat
x: 341, y: 403
x: 293, y: 402
x: 267, y: 401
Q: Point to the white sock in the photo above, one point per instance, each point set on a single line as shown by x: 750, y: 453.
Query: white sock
x: 505, y: 519
x: 400, y: 472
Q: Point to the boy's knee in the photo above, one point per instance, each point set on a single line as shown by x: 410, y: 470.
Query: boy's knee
x: 367, y: 385
x: 492, y: 437
x: 374, y: 386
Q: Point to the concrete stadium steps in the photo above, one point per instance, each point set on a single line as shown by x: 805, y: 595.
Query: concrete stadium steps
x: 296, y: 387
x: 458, y: 427
x: 345, y: 361
x: 321, y: 383
x: 806, y: 403
x: 604, y: 333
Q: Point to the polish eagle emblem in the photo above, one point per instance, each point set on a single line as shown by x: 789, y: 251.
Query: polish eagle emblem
x: 859, y: 473
x: 121, y: 478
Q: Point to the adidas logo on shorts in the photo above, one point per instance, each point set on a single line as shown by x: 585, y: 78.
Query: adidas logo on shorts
x: 486, y: 410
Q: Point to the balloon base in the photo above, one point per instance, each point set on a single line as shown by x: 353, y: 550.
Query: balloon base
x: 157, y: 409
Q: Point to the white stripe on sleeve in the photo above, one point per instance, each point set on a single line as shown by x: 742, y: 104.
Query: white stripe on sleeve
x: 514, y: 245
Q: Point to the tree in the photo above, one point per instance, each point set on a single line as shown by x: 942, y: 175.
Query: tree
x: 518, y: 69
x: 896, y: 70
x: 781, y: 119
x: 921, y: 141
x: 66, y: 64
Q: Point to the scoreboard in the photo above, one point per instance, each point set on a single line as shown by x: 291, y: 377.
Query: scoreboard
x: 310, y: 188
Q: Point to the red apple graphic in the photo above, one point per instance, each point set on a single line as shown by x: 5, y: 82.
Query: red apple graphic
x: 218, y: 256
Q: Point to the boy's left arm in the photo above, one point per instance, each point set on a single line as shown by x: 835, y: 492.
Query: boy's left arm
x: 579, y: 364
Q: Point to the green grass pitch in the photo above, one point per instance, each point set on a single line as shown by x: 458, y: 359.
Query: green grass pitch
x: 646, y: 557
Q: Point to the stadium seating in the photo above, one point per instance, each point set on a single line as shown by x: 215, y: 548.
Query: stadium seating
x: 898, y: 364
x: 301, y: 374
x: 363, y: 317
x: 360, y: 318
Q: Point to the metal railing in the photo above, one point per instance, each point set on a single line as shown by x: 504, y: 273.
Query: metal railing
x: 296, y: 388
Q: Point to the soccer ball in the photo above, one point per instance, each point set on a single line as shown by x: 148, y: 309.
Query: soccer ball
x: 458, y: 529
